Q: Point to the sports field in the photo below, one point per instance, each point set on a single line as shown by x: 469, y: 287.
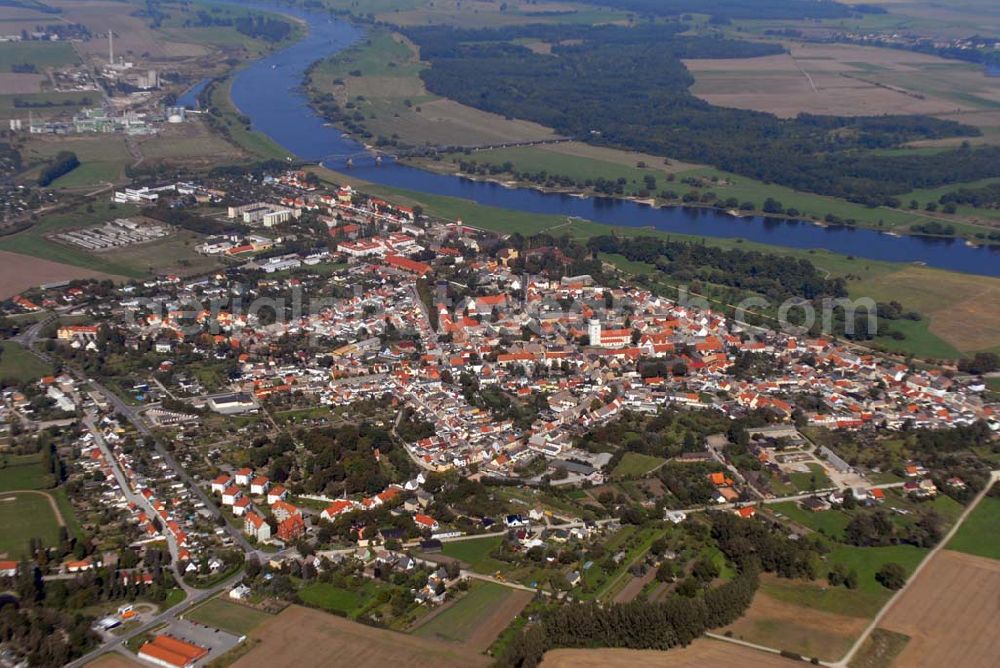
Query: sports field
x: 26, y: 515
x: 19, y: 472
x: 478, y: 617
x: 308, y: 638
x: 233, y: 617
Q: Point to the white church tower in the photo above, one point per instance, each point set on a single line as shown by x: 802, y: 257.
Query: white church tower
x: 594, y: 331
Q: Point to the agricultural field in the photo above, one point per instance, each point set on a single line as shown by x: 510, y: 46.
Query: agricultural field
x: 18, y: 364
x: 39, y: 54
x: 45, y: 105
x: 879, y: 650
x: 700, y: 653
x: 133, y: 36
x: 845, y: 80
x: 102, y: 159
x: 26, y: 515
x: 190, y: 144
x: 233, y: 617
x: 478, y: 617
x: 228, y: 39
x: 476, y: 554
x: 174, y: 253
x: 20, y: 272
x: 308, y: 638
x: 775, y: 623
x: 814, y: 618
x: 634, y: 465
x: 114, y: 660
x: 385, y: 72
x: 347, y: 602
x: 961, y: 312
x: 485, y: 14
x: 949, y: 613
x: 980, y: 532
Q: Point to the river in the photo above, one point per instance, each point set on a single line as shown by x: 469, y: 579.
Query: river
x: 269, y: 92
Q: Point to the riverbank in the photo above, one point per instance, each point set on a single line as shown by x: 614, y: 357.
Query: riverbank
x: 569, y: 170
x: 270, y: 94
x: 374, y: 92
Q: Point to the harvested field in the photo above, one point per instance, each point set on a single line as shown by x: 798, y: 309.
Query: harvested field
x: 14, y: 84
x: 113, y: 660
x: 302, y: 638
x: 950, y: 613
x: 449, y: 122
x: 477, y: 618
x: 809, y: 632
x: 499, y: 618
x: 132, y: 34
x: 634, y: 587
x: 618, y: 156
x: 702, y: 652
x: 20, y: 272
x: 386, y: 74
x: 189, y: 144
x: 964, y: 310
x: 844, y: 80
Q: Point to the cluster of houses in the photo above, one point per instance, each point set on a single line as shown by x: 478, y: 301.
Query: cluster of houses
x: 158, y: 503
x: 237, y: 491
x: 587, y: 349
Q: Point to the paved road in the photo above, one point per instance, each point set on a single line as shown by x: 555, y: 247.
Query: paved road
x: 30, y: 336
x: 117, y: 644
x: 909, y: 581
x: 138, y: 499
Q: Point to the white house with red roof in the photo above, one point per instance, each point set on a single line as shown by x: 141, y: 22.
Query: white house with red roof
x: 223, y: 481
x: 242, y: 506
x: 337, y: 508
x: 259, y: 485
x: 276, y: 493
x: 231, y: 494
x: 425, y: 522
x: 255, y: 525
x: 243, y: 476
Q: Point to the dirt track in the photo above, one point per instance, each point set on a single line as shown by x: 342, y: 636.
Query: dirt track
x: 701, y: 653
x: 950, y: 613
x: 305, y: 638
